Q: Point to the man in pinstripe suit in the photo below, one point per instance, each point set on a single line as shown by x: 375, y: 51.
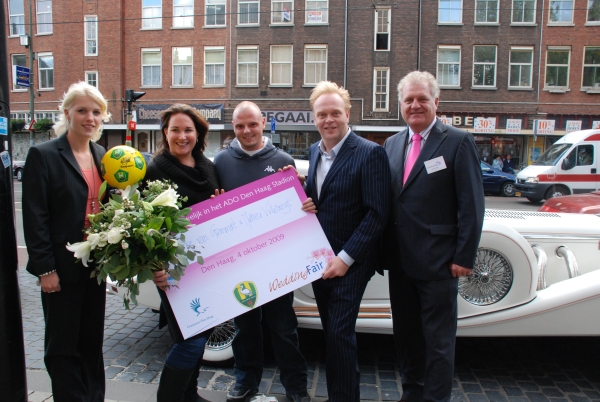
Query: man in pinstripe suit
x: 349, y: 181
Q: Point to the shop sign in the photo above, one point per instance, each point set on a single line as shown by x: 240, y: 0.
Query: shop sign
x: 541, y: 127
x: 446, y: 120
x: 573, y: 125
x: 315, y: 16
x: 485, y: 125
x: 289, y: 116
x: 596, y: 125
x: 513, y: 126
x: 150, y: 114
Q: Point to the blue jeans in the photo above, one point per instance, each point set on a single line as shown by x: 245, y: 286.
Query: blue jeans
x: 185, y: 354
x: 248, y: 345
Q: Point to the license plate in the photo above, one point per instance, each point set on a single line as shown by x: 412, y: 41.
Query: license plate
x: 518, y: 193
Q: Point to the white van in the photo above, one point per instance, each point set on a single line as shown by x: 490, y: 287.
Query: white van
x: 569, y: 166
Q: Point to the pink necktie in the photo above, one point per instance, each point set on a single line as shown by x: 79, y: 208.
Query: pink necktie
x: 413, y: 154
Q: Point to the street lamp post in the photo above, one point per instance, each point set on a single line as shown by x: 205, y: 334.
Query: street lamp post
x: 26, y: 40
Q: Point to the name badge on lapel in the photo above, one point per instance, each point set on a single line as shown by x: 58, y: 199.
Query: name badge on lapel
x: 435, y: 164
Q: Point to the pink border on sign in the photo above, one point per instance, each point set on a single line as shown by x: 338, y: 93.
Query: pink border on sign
x: 197, y: 216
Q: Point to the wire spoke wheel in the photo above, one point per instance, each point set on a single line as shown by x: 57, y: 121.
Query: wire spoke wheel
x: 490, y: 281
x: 222, y: 336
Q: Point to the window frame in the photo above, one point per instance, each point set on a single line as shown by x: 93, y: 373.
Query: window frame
x: 37, y: 18
x: 87, y: 20
x: 529, y: 49
x: 151, y: 21
x: 39, y: 71
x: 438, y: 62
x: 290, y: 63
x: 16, y: 88
x: 87, y: 78
x: 495, y: 64
x: 377, y: 34
x: 497, y: 22
x: 570, y: 22
x: 448, y: 22
x: 568, y: 66
x: 146, y: 51
x: 20, y: 23
x: 308, y: 48
x: 376, y: 93
x: 238, y: 63
x: 291, y: 21
x: 248, y: 14
x: 185, y: 20
x: 595, y: 66
x: 174, y: 64
x: 514, y: 8
x: 215, y: 3
x: 215, y: 49
x: 587, y: 15
x: 323, y: 10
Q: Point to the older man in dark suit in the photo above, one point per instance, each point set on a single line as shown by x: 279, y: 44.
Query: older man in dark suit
x: 436, y: 222
x: 349, y: 182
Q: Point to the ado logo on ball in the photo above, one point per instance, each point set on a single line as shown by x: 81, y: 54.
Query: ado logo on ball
x: 123, y: 166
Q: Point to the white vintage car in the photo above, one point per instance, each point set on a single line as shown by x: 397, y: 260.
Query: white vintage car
x: 535, y: 274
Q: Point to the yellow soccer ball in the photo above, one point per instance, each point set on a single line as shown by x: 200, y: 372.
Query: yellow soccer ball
x: 123, y: 166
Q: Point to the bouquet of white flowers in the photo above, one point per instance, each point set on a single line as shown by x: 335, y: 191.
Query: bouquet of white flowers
x: 136, y: 234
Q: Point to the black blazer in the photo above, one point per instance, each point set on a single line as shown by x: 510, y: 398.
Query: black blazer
x: 437, y: 217
x: 55, y: 195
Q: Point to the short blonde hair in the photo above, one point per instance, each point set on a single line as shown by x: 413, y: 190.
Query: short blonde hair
x: 75, y: 91
x: 328, y: 87
x: 419, y: 77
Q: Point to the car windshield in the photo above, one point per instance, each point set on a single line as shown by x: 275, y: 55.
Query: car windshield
x: 552, y: 155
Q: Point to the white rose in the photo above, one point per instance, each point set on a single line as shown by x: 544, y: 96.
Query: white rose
x: 167, y: 198
x: 114, y: 236
x: 81, y: 250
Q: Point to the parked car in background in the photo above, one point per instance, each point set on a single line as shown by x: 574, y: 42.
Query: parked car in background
x: 18, y: 167
x: 575, y: 203
x: 147, y: 156
x: 496, y: 181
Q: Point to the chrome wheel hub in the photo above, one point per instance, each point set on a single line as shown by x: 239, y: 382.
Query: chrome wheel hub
x: 490, y: 281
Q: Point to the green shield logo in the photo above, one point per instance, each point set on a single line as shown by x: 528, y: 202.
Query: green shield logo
x: 121, y: 176
x: 117, y: 153
x: 138, y: 162
x: 246, y: 293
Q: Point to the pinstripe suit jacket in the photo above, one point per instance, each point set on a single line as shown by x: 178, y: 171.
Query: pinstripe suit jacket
x: 54, y: 201
x: 354, y: 202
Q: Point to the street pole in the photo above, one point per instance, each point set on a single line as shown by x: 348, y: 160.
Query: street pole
x: 31, y: 92
x: 13, y: 378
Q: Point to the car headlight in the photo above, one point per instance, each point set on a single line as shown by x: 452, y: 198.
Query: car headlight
x: 532, y: 180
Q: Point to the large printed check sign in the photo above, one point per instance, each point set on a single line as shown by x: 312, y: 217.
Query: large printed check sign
x: 257, y: 245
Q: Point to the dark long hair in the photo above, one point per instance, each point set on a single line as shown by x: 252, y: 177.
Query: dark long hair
x: 200, y: 124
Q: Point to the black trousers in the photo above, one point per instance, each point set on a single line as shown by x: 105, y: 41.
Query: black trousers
x: 424, y: 318
x: 73, y: 340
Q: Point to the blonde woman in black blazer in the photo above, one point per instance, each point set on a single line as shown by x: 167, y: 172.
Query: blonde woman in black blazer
x: 60, y: 187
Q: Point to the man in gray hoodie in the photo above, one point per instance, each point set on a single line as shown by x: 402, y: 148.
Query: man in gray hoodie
x: 251, y: 157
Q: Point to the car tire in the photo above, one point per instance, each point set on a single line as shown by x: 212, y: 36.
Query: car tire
x: 533, y: 199
x: 508, y: 189
x: 218, y: 350
x: 20, y: 174
x: 556, y: 191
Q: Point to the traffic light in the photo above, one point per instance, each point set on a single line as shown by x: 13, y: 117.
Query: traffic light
x: 131, y: 96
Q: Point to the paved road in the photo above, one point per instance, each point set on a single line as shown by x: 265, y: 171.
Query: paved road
x: 496, y: 369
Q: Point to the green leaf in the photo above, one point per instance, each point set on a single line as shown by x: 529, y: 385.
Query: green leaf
x: 183, y: 260
x: 102, y: 190
x: 123, y: 273
x: 200, y: 260
x: 168, y: 223
x: 156, y: 223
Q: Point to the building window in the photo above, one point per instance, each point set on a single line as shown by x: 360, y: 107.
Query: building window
x: 215, y: 12
x: 523, y: 11
x: 315, y: 64
x: 91, y: 77
x: 521, y: 67
x: 591, y: 67
x: 448, y: 71
x: 46, y: 70
x: 484, y: 66
x: 450, y: 11
x: 557, y: 68
x: 282, y: 12
x: 593, y: 11
x: 151, y: 14
x: 16, y: 10
x: 382, y: 29
x: 317, y: 12
x: 214, y: 66
x: 18, y: 60
x: 44, y: 16
x: 91, y: 35
x: 151, y: 67
x: 248, y: 12
x: 281, y: 65
x: 561, y: 11
x: 183, y: 13
x: 247, y: 65
x: 183, y: 66
x: 381, y: 89
x: 486, y: 11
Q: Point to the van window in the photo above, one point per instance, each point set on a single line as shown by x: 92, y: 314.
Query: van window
x: 552, y: 155
x: 585, y: 155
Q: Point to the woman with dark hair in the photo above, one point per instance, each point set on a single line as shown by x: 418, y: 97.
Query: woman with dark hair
x: 181, y: 160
